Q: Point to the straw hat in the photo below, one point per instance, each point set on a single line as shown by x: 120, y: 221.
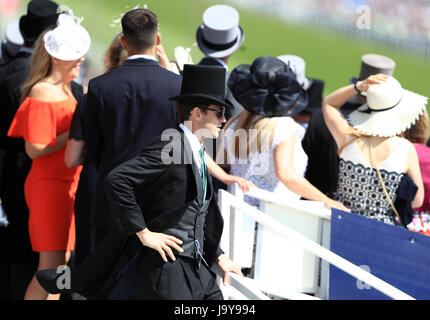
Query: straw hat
x: 69, y: 40
x: 389, y: 110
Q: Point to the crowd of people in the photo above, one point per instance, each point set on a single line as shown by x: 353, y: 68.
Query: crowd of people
x: 119, y: 180
x: 401, y: 24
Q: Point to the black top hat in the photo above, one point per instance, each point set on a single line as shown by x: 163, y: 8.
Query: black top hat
x: 268, y: 87
x: 203, y: 85
x: 41, y: 14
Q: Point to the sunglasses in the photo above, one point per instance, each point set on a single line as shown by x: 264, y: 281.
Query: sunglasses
x: 220, y: 113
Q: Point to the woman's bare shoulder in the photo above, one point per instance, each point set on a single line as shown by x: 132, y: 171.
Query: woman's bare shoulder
x: 396, y: 141
x: 44, y: 91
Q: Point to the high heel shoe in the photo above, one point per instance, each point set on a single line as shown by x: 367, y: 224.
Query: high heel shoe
x: 49, y: 279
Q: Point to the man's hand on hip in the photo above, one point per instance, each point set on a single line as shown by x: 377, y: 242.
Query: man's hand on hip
x: 163, y: 243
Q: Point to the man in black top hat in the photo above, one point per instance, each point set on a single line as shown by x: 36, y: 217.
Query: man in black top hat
x: 219, y: 37
x: 165, y: 197
x: 41, y: 15
x: 323, y: 161
x: 195, y: 223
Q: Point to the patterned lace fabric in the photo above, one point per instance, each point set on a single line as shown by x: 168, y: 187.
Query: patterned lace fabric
x: 360, y: 190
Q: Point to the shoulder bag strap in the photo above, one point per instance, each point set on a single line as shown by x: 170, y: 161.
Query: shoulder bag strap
x: 382, y: 181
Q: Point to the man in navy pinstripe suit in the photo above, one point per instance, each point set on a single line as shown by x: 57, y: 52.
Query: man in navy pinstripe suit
x: 128, y: 107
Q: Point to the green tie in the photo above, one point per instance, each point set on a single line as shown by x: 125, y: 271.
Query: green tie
x: 204, y: 169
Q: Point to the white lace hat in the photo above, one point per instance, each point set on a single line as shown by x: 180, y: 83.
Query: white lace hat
x: 69, y: 40
x: 389, y: 110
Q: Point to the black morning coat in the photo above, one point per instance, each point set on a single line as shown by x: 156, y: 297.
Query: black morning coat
x: 146, y: 192
x: 126, y: 108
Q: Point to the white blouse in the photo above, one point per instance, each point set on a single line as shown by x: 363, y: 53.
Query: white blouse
x: 260, y: 167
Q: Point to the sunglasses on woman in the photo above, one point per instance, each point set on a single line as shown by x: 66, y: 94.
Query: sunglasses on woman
x: 218, y: 112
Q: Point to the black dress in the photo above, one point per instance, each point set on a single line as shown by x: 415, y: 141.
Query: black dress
x: 323, y: 161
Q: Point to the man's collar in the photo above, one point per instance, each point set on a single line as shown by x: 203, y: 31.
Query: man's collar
x: 141, y: 56
x: 192, y: 139
x: 222, y: 63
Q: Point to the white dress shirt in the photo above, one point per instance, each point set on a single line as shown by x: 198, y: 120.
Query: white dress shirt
x: 195, y: 146
x: 141, y: 56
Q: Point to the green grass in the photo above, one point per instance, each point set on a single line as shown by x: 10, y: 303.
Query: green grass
x: 330, y: 56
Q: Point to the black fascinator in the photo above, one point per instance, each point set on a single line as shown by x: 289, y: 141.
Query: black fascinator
x: 268, y: 87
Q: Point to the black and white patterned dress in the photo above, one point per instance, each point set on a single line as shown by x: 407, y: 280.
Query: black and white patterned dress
x: 359, y: 187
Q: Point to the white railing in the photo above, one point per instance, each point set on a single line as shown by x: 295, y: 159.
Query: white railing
x: 228, y: 203
x: 244, y: 289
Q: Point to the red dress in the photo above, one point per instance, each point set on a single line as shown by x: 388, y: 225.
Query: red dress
x: 50, y: 186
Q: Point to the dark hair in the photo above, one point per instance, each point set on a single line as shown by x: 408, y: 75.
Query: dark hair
x: 140, y: 28
x: 184, y: 109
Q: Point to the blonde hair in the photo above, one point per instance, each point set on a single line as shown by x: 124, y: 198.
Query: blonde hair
x: 356, y: 135
x: 259, y: 130
x: 419, y: 132
x: 115, y: 55
x: 40, y: 66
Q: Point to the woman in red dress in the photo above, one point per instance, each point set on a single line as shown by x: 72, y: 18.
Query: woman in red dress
x: 43, y: 121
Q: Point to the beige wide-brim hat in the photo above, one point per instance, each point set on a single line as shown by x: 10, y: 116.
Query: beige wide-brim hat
x: 69, y: 40
x: 389, y: 110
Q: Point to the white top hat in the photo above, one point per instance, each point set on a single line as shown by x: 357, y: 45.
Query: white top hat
x: 13, y: 35
x: 298, y: 65
x: 69, y: 40
x: 220, y: 34
x: 13, y: 38
x: 389, y: 110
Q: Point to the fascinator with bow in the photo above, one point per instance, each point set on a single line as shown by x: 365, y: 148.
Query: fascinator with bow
x: 268, y: 88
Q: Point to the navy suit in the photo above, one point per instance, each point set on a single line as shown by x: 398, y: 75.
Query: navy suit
x: 126, y: 108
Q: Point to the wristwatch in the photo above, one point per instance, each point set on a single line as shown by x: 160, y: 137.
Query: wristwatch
x: 354, y: 81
